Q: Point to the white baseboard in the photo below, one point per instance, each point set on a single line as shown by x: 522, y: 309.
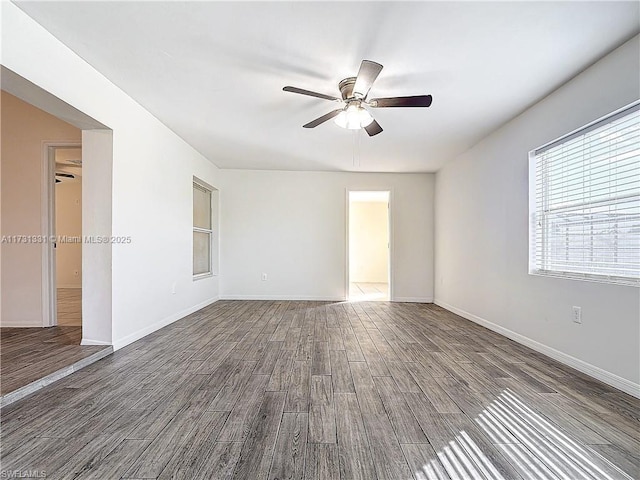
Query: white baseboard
x: 69, y: 286
x: 88, y: 341
x: 21, y: 325
x: 598, y: 373
x: 413, y: 299
x: 308, y: 298
x: 143, y: 332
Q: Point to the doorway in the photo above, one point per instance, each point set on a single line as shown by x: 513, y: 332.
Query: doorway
x: 369, y: 266
x: 67, y: 215
x: 35, y: 305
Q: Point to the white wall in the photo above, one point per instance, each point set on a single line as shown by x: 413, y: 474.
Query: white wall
x: 292, y: 226
x: 151, y: 185
x: 69, y: 224
x: 482, y: 236
x: 368, y: 242
x: 97, y: 258
x: 24, y: 129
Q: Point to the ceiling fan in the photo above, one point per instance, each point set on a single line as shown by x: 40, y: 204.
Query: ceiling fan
x: 60, y: 176
x: 354, y: 91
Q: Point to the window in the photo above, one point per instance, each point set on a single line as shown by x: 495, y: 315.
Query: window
x: 585, y: 202
x: 202, y: 230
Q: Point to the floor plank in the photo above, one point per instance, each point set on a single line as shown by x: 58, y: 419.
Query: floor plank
x: 354, y: 454
x: 321, y: 364
x: 341, y: 372
x: 322, y: 462
x: 298, y: 391
x: 257, y: 453
x: 322, y: 417
x: 289, y: 456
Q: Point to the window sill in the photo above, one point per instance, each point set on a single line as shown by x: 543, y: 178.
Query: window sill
x: 202, y: 276
x: 625, y: 282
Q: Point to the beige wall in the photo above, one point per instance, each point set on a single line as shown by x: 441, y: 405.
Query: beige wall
x: 69, y: 224
x: 368, y: 242
x: 24, y: 130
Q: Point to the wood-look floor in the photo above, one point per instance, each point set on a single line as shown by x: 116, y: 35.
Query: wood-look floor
x: 301, y: 390
x: 29, y: 354
x: 69, y: 307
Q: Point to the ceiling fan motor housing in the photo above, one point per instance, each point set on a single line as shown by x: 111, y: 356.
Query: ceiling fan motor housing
x: 346, y: 87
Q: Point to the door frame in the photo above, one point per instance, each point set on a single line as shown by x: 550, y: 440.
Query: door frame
x: 48, y: 208
x: 391, y: 277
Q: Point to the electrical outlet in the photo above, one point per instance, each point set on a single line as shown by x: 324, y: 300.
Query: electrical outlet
x: 173, y: 288
x: 264, y: 277
x: 577, y: 315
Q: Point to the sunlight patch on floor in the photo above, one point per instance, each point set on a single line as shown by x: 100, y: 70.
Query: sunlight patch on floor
x: 368, y: 292
x: 542, y: 452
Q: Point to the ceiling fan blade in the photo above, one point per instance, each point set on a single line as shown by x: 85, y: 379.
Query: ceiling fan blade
x: 309, y: 93
x: 373, y: 128
x: 322, y: 119
x: 367, y: 74
x: 65, y: 175
x: 414, y: 101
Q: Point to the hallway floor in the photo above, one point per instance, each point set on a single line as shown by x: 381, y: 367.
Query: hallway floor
x: 29, y: 354
x: 69, y: 309
x: 368, y: 292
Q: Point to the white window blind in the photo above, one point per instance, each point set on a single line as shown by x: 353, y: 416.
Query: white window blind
x: 585, y: 220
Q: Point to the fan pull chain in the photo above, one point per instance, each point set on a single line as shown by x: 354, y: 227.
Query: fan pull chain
x: 356, y: 149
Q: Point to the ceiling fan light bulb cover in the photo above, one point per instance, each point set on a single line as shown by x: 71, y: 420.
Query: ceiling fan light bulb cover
x: 353, y: 118
x: 365, y: 117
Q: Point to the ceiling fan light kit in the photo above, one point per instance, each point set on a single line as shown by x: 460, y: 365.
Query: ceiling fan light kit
x: 354, y: 91
x: 353, y: 117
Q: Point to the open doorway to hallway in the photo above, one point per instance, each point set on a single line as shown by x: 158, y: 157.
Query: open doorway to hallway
x: 67, y: 206
x: 369, y: 246
x: 39, y: 147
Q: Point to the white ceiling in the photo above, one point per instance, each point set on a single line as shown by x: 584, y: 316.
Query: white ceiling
x: 214, y: 71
